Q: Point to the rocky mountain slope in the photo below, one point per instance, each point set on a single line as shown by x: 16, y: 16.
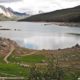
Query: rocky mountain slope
x: 9, y: 13
x: 4, y: 18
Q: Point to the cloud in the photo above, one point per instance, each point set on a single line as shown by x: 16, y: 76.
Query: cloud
x: 8, y: 1
x: 35, y: 6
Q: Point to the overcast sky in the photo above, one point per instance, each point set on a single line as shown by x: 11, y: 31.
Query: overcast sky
x: 36, y: 5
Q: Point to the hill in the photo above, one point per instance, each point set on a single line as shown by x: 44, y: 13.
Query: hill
x: 64, y: 15
x: 16, y: 61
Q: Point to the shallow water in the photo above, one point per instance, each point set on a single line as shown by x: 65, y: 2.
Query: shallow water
x: 40, y: 35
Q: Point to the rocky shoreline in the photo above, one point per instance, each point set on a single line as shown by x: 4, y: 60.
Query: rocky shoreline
x: 70, y: 24
x: 5, y: 45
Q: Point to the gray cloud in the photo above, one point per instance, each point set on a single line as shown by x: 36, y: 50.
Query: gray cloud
x: 7, y: 1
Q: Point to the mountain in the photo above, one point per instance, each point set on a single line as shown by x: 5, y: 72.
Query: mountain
x: 4, y: 18
x: 64, y: 15
x: 8, y: 12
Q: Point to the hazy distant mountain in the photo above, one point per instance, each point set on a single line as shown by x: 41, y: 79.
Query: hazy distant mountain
x: 8, y: 12
x: 64, y: 15
x: 4, y: 18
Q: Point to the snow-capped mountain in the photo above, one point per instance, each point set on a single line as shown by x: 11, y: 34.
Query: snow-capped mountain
x: 10, y: 13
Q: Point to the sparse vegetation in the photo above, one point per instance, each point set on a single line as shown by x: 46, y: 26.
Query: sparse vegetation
x: 54, y: 72
x: 62, y: 64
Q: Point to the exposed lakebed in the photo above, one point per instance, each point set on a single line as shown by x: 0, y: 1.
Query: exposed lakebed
x: 40, y: 35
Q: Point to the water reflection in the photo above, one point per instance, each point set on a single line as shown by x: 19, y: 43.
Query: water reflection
x: 50, y: 42
x: 39, y: 36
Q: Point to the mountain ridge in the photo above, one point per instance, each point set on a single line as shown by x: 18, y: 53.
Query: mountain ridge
x: 64, y: 15
x: 8, y: 12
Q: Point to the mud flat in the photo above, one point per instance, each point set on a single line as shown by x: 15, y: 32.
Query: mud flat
x: 5, y: 29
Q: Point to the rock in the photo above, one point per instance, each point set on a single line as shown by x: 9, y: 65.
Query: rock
x: 76, y: 46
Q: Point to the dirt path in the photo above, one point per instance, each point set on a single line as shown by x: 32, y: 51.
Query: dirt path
x: 30, y: 53
x: 11, y: 51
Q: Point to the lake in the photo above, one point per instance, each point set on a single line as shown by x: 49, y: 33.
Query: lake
x: 40, y: 35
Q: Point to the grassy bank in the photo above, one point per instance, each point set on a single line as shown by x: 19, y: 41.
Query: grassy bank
x: 12, y: 70
x: 27, y: 59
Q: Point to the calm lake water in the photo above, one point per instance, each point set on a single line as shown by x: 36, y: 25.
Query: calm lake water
x: 40, y: 35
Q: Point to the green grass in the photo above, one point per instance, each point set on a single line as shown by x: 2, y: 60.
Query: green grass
x: 1, y: 60
x: 36, y: 58
x: 13, y: 70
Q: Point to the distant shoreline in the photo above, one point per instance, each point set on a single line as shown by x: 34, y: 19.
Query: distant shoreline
x: 72, y: 24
